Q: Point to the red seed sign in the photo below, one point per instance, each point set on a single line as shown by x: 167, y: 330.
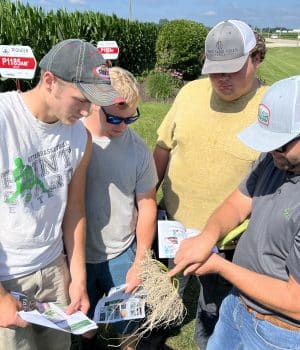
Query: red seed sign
x: 17, y: 62
x: 108, y: 49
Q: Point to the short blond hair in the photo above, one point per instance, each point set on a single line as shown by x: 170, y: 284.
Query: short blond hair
x: 125, y: 84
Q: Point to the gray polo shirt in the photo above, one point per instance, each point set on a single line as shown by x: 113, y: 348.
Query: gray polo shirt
x: 271, y: 244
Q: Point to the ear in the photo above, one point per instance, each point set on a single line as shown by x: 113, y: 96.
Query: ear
x: 93, y: 111
x: 95, y: 107
x: 256, y: 60
x: 48, y: 80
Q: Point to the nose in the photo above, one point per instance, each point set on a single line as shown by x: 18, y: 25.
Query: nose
x: 122, y: 124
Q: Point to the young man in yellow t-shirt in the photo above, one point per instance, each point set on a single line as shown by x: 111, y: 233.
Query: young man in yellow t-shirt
x: 198, y: 156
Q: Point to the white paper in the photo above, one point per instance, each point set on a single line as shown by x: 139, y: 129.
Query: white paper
x: 119, y: 306
x: 170, y: 235
x: 52, y: 315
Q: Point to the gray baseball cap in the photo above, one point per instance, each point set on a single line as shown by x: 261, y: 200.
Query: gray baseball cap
x: 79, y: 62
x: 227, y: 47
x: 278, y: 117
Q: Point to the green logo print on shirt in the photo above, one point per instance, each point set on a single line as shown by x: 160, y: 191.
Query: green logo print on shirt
x: 287, y: 213
x: 25, y: 180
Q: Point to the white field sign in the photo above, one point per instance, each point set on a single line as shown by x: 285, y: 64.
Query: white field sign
x: 108, y: 49
x: 17, y: 62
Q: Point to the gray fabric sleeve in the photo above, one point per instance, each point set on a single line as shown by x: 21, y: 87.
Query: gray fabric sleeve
x: 146, y: 172
x: 293, y: 259
x: 247, y: 186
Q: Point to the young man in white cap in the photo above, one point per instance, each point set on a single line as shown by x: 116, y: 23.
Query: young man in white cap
x: 198, y: 159
x: 43, y: 163
x: 263, y: 309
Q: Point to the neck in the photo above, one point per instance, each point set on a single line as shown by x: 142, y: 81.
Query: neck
x: 36, y: 103
x: 256, y: 84
x: 93, y: 124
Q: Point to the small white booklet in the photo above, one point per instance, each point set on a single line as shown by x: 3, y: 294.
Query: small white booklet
x: 53, y: 315
x: 119, y: 306
x: 170, y: 235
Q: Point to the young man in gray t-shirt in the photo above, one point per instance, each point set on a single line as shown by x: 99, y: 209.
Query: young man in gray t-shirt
x: 120, y: 196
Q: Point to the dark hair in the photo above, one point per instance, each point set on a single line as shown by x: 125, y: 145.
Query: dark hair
x: 260, y: 48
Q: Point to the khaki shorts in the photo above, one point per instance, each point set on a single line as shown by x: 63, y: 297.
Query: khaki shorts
x: 48, y: 284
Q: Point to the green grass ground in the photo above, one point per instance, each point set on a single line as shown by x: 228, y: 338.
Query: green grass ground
x: 279, y: 63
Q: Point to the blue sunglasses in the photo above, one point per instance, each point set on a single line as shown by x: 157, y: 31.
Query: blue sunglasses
x: 114, y: 119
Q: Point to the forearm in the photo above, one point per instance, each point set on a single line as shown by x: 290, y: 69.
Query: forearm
x: 232, y: 212
x: 145, y: 231
x: 161, y: 159
x: 74, y: 223
x: 74, y: 240
x: 146, y: 227
x: 275, y: 294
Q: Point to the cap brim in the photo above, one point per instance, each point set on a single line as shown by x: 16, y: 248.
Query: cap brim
x: 100, y: 94
x: 264, y: 140
x: 228, y: 66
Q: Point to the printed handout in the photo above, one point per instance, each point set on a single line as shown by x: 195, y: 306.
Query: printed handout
x: 119, y: 306
x: 170, y: 235
x: 53, y: 315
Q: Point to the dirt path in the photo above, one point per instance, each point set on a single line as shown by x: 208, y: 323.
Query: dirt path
x: 282, y: 43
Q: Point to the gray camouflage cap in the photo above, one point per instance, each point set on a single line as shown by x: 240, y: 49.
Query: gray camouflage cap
x: 79, y: 62
x: 227, y: 47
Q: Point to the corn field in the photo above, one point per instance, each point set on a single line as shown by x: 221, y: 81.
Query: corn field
x: 25, y: 25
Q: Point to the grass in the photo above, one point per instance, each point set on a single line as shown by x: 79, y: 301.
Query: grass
x: 279, y: 63
x: 183, y: 337
x: 152, y: 115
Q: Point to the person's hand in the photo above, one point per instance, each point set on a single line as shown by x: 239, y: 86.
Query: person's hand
x: 192, y: 253
x: 79, y: 298
x: 211, y: 265
x: 132, y: 279
x: 9, y: 307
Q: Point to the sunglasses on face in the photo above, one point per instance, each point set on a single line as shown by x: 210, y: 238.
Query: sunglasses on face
x: 283, y: 148
x: 114, y: 119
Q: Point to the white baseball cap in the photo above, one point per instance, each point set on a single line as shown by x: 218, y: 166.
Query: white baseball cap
x: 278, y: 117
x: 227, y: 47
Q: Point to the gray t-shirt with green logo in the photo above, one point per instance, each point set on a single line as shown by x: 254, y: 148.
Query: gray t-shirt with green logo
x: 271, y: 244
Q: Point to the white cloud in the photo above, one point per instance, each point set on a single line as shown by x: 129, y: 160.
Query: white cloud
x: 77, y: 2
x: 210, y: 13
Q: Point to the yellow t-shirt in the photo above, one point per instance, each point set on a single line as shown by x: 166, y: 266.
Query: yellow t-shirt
x: 207, y: 161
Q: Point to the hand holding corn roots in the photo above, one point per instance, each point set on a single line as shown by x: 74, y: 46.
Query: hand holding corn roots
x: 164, y: 305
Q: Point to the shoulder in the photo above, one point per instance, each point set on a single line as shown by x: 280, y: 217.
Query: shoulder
x: 8, y: 103
x: 79, y: 134
x: 135, y: 137
x: 136, y: 140
x: 262, y: 90
x: 8, y: 100
x: 192, y: 91
x: 201, y: 83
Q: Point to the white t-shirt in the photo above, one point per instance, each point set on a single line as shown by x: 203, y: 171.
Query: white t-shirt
x: 37, y: 161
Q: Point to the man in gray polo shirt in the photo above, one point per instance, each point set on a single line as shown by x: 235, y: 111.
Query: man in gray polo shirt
x: 263, y: 310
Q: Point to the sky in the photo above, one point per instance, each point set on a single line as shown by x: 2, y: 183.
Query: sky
x: 257, y: 13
